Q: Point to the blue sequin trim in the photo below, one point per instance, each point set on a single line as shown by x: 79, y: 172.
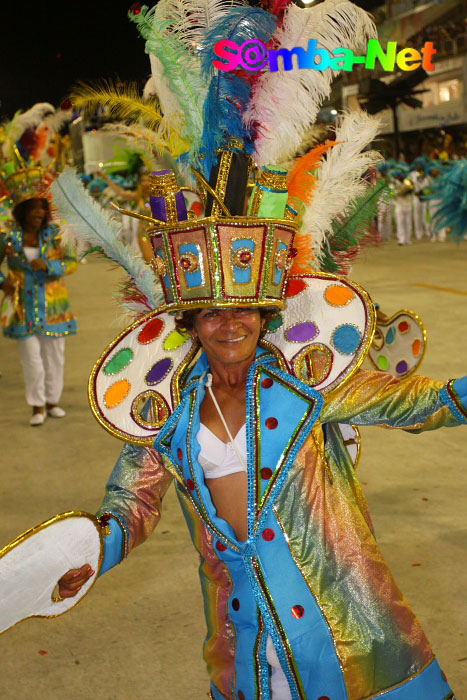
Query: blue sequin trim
x: 447, y: 400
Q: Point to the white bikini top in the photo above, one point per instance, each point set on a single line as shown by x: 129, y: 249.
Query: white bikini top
x: 218, y: 458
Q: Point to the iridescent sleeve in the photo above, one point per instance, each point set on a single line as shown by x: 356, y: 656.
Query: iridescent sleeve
x: 134, y: 493
x: 378, y: 398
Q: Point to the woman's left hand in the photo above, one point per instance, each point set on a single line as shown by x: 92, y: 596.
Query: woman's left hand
x: 39, y: 264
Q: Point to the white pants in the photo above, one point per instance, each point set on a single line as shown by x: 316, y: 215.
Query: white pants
x: 440, y: 234
x: 419, y: 218
x: 403, y: 216
x: 279, y: 686
x: 43, y: 360
x: 385, y: 220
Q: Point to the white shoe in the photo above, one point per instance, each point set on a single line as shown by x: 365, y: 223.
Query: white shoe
x: 37, y: 419
x: 56, y: 412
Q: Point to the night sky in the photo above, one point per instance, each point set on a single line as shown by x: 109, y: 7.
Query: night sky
x: 48, y: 48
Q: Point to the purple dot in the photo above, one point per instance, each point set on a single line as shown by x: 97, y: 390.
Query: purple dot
x: 302, y: 332
x: 158, y: 371
x: 402, y: 367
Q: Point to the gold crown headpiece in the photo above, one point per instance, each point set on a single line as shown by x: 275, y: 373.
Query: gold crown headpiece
x: 223, y: 258
x: 26, y: 183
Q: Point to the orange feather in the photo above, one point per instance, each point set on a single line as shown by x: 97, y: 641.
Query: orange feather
x: 301, y: 181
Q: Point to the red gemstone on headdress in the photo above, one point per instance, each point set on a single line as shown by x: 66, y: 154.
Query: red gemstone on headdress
x: 294, y: 287
x: 298, y: 611
x: 185, y: 263
x: 266, y: 473
x: 293, y: 252
x: 245, y: 256
x: 272, y: 423
x: 267, y: 383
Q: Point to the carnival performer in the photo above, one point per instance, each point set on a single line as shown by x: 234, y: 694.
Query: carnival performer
x: 421, y: 185
x: 40, y: 317
x: 139, y: 197
x: 385, y: 208
x: 235, y: 382
x: 403, y: 189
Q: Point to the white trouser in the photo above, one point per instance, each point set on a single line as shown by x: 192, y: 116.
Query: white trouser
x: 43, y: 360
x: 403, y: 216
x: 440, y: 234
x: 385, y: 220
x: 279, y: 686
x: 419, y: 218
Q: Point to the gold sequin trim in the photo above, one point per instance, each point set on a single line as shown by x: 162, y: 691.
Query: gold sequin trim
x: 163, y: 185
x: 222, y: 178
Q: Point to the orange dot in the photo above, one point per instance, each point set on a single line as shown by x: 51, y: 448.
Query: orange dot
x: 116, y: 393
x: 416, y: 347
x: 337, y: 295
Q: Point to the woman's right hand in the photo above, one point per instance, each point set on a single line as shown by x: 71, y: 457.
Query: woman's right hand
x: 71, y: 582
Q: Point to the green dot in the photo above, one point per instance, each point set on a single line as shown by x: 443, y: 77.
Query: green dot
x: 274, y: 323
x: 119, y: 361
x: 175, y: 340
x: 382, y: 362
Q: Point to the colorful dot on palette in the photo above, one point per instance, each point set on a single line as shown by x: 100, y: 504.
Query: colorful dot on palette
x: 294, y: 287
x: 158, y: 371
x: 116, y: 393
x: 382, y: 362
x: 403, y: 327
x: 416, y: 347
x: 151, y: 331
x: 275, y: 323
x: 346, y: 339
x: 302, y: 332
x: 119, y: 361
x: 338, y: 295
x: 175, y: 340
x: 390, y: 335
x: 402, y: 367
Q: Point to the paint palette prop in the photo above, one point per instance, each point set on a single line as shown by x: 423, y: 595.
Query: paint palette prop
x: 322, y: 336
x: 32, y: 564
x: 399, y: 344
x: 131, y: 385
x: 326, y: 330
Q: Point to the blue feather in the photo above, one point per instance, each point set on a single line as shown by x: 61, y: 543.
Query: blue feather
x: 450, y: 189
x: 229, y: 93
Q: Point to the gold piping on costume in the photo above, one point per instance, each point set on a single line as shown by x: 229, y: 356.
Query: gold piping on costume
x: 225, y: 164
x: 135, y: 215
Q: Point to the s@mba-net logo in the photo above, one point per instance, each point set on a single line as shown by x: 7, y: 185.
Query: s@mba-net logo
x: 253, y: 55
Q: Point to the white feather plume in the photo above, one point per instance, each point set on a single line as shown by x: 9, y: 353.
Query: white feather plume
x: 87, y: 224
x: 340, y: 177
x: 58, y: 119
x: 285, y: 103
x: 23, y: 121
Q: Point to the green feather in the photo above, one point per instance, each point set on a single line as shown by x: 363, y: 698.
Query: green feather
x: 351, y: 231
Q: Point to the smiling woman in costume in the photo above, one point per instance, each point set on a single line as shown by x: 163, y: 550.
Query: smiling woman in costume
x: 299, y: 600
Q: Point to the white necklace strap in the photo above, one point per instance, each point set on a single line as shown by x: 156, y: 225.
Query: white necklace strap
x: 221, y: 415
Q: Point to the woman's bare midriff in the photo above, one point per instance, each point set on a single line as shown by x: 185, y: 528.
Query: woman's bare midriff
x: 230, y: 497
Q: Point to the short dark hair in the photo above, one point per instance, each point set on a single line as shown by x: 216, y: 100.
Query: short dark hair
x: 20, y: 210
x: 187, y: 321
